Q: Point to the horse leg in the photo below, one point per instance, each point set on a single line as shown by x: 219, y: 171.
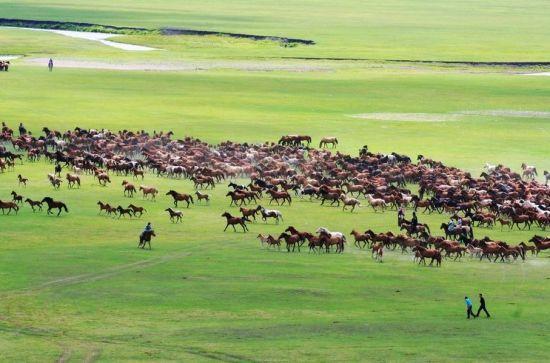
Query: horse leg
x: 227, y: 225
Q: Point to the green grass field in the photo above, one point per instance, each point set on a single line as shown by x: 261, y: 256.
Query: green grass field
x: 76, y: 288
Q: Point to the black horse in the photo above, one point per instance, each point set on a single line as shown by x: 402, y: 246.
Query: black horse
x: 144, y: 238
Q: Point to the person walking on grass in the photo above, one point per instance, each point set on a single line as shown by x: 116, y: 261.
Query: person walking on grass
x: 50, y: 64
x: 482, y: 306
x: 469, y: 306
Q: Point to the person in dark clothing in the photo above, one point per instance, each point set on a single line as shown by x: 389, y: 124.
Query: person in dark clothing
x: 414, y: 222
x: 400, y: 215
x: 482, y: 306
x: 22, y: 129
x: 50, y: 64
x: 58, y: 169
x: 469, y: 306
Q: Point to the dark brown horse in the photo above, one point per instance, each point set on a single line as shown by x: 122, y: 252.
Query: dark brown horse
x: 232, y: 221
x: 9, y: 206
x: 34, y: 203
x: 145, y: 238
x: 52, y: 204
x: 22, y: 180
x: 16, y: 197
x: 135, y: 209
x: 129, y: 188
x: 72, y: 180
x: 175, y: 215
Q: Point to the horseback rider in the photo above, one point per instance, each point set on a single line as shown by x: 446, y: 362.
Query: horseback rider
x: 451, y: 225
x: 22, y: 129
x: 148, y: 228
x: 414, y: 222
x: 400, y: 215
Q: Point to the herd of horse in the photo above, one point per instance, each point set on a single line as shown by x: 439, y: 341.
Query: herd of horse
x: 286, y: 170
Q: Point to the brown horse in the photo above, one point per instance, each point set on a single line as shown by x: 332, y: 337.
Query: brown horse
x: 139, y: 173
x: 175, y: 215
x: 202, y: 196
x: 237, y: 196
x: 232, y: 221
x: 148, y: 191
x: 250, y: 212
x: 302, y: 234
x: 22, y: 180
x: 269, y: 240
x: 522, y: 218
x: 541, y: 243
x: 34, y: 203
x: 103, y: 179
x: 55, y: 204
x: 424, y: 253
x: 282, y: 195
x: 360, y: 237
x: 105, y: 207
x: 528, y: 248
x: 9, y: 206
x: 72, y: 180
x: 129, y: 189
x: 135, y: 209
x: 291, y: 240
x: 179, y: 197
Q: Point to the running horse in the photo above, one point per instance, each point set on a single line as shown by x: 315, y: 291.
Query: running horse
x: 179, y: 197
x: 529, y: 172
x: 52, y: 204
x: 72, y: 179
x: 9, y: 206
x: 129, y: 189
x: 457, y: 231
x: 232, y: 221
x: 145, y: 238
x: 148, y: 190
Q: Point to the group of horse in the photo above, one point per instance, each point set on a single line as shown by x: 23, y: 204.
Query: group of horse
x: 322, y: 240
x: 278, y: 170
x: 130, y: 211
x: 36, y: 205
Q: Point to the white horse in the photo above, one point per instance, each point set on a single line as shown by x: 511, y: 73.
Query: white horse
x: 332, y: 234
x: 271, y: 213
x: 529, y: 171
x: 490, y: 168
x: 376, y: 202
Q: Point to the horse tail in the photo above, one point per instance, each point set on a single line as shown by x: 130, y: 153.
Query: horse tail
x: 320, y: 144
x: 428, y: 228
x: 535, y: 171
x: 336, y: 141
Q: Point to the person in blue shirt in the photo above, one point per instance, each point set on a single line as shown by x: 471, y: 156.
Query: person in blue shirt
x: 148, y: 228
x: 469, y: 306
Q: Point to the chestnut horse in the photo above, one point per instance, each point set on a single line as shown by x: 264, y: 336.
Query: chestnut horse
x: 72, y: 180
x: 424, y: 253
x: 179, y: 197
x: 129, y: 189
x: 148, y: 190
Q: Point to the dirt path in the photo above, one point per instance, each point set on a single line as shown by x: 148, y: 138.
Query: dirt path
x: 251, y: 66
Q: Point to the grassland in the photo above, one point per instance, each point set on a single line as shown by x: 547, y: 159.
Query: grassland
x: 75, y: 288
x: 375, y: 29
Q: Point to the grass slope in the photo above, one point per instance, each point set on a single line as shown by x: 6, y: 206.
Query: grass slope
x: 76, y: 285
x: 413, y: 29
